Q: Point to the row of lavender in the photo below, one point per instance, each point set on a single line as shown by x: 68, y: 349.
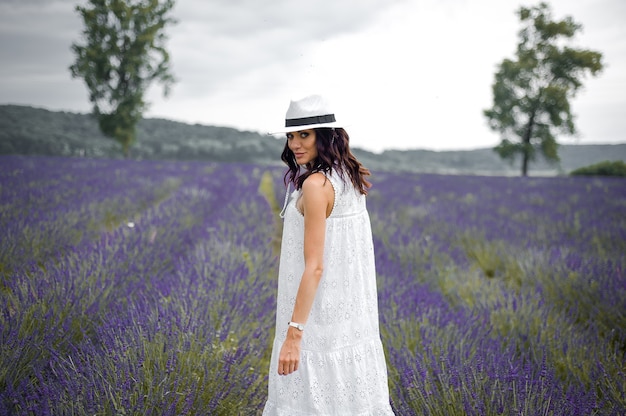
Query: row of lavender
x: 148, y: 288
x: 515, y: 286
x: 157, y: 312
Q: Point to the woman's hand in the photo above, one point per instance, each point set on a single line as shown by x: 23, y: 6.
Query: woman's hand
x: 289, y: 357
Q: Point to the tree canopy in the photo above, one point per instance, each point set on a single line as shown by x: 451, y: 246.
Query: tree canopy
x: 531, y: 94
x: 122, y: 55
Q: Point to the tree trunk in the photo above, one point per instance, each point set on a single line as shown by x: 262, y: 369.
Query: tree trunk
x: 526, y: 146
x: 126, y: 149
x: 525, y: 162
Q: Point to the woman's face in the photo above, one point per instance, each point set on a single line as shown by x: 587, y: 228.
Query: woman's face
x: 302, y: 144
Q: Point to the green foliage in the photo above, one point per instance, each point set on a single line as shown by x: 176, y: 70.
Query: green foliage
x: 531, y: 93
x: 122, y: 55
x: 606, y: 168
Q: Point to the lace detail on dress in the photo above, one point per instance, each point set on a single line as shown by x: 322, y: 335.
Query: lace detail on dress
x: 342, y: 369
x: 339, y: 382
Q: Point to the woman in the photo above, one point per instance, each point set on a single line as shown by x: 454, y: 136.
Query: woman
x: 327, y: 356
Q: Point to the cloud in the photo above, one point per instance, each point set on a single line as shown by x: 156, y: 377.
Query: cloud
x: 35, y: 39
x: 403, y: 73
x: 229, y: 41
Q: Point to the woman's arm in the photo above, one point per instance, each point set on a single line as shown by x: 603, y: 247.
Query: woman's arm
x: 318, y: 198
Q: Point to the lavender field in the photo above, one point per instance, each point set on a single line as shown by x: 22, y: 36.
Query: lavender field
x: 148, y: 288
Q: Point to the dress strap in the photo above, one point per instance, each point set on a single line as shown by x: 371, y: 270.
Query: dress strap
x: 282, y: 211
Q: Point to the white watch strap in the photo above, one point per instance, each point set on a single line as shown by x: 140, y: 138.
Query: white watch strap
x: 296, y: 325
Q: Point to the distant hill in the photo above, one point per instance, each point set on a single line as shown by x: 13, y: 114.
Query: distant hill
x: 27, y: 130
x: 33, y: 131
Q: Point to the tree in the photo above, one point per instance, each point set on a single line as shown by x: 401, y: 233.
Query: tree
x: 531, y: 95
x: 606, y: 168
x: 122, y: 55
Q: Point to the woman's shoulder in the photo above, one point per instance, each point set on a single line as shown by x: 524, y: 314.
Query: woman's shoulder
x: 315, y: 181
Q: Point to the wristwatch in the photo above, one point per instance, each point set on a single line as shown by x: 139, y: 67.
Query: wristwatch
x: 299, y: 327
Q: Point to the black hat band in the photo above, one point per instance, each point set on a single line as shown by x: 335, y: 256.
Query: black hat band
x: 293, y: 122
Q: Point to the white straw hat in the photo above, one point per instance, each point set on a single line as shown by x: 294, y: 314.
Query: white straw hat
x: 309, y: 113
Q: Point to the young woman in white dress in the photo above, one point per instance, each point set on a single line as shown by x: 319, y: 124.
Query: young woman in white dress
x: 327, y: 356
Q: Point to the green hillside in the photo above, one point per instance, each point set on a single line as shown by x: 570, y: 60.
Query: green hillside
x: 33, y: 131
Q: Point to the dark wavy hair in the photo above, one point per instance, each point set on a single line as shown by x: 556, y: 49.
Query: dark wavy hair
x: 333, y: 150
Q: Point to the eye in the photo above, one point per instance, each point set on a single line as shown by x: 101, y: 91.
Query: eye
x: 289, y: 136
x: 304, y: 134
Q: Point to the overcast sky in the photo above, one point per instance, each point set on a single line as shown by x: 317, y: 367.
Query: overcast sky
x: 400, y: 73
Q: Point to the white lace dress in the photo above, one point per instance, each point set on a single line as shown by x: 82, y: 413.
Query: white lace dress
x: 342, y: 367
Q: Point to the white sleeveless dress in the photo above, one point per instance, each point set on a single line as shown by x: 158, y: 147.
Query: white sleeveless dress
x: 342, y: 367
